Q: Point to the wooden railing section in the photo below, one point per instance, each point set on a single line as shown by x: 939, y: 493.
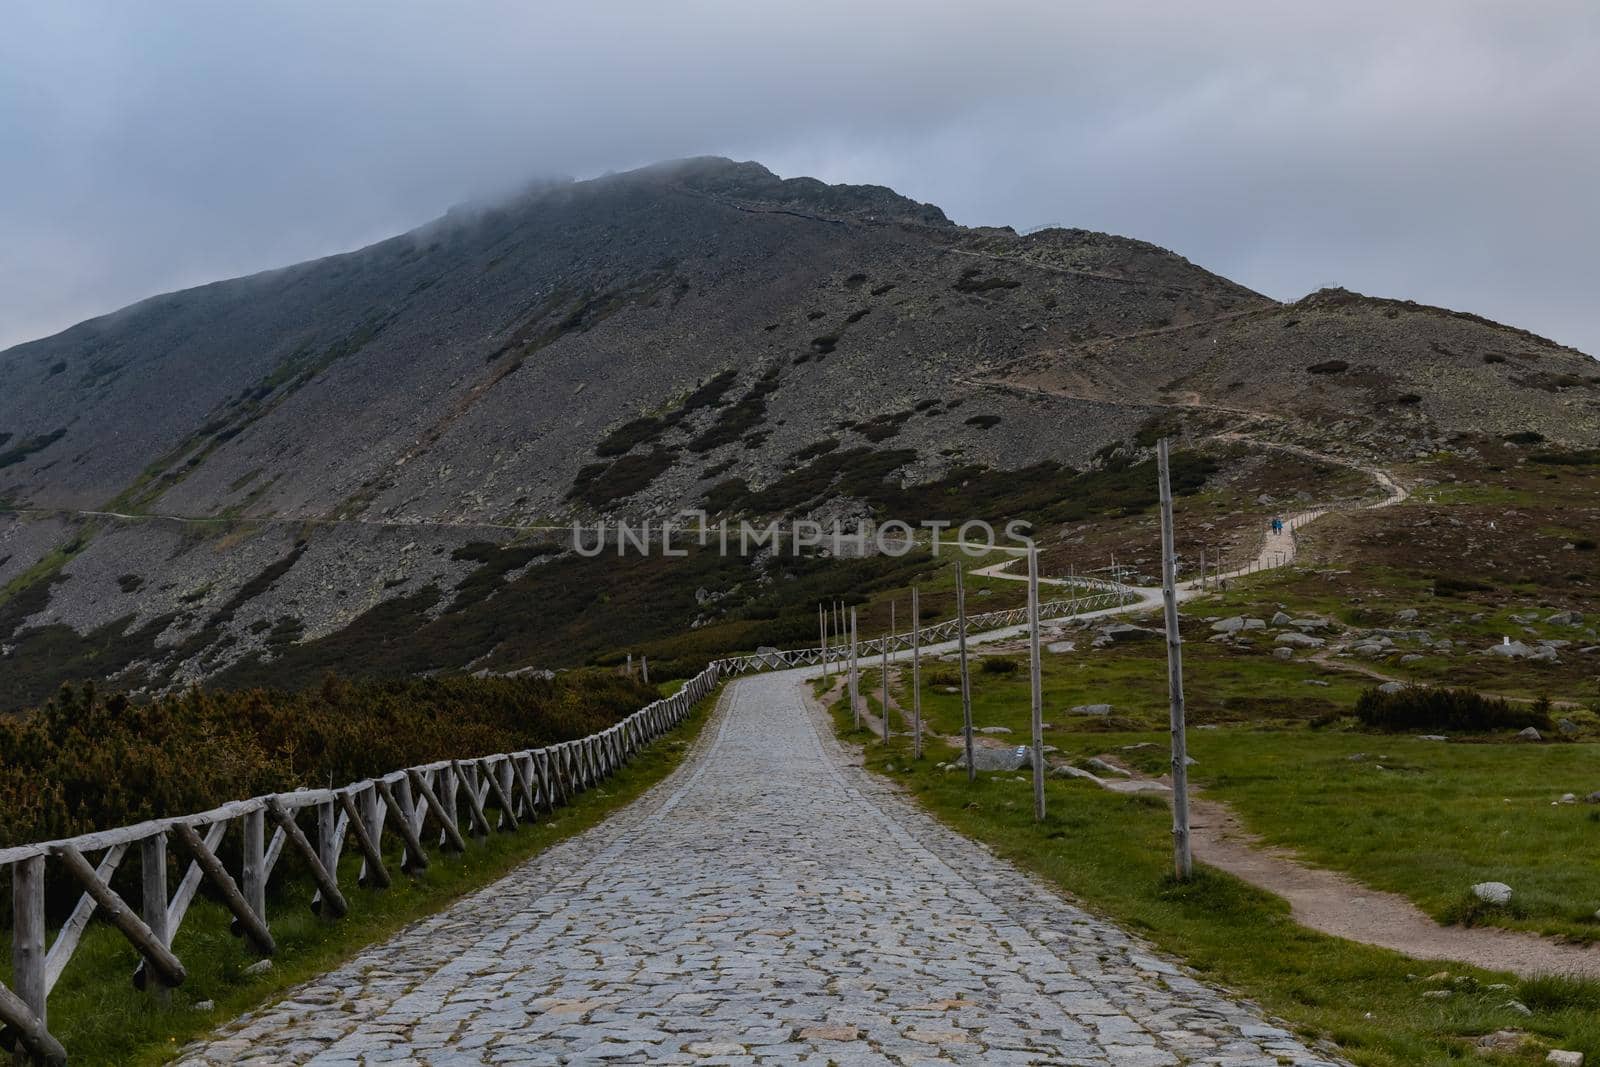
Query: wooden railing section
x: 1094, y: 594
x: 497, y: 792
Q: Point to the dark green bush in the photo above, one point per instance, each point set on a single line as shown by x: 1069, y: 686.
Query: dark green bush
x: 998, y: 665
x: 1425, y: 708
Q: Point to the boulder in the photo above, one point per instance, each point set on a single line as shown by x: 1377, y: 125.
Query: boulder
x: 1510, y: 650
x: 985, y: 758
x: 1592, y: 798
x: 1060, y: 646
x: 1568, y: 727
x: 1392, y: 687
x: 1562, y: 1058
x: 1411, y: 657
x: 1310, y: 622
x: 1091, y: 709
x: 1528, y: 733
x: 1255, y: 624
x: 1229, y: 626
x: 1565, y: 618
x: 1432, y: 737
x: 1123, y: 631
x: 1283, y: 653
x: 1100, y: 766
x: 991, y: 729
x: 1406, y: 615
x: 1281, y: 619
x: 1496, y: 893
x: 1299, y: 640
x: 1544, y: 654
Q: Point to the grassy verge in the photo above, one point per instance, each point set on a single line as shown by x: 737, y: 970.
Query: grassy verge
x: 1421, y: 818
x: 1113, y: 853
x: 100, y: 1018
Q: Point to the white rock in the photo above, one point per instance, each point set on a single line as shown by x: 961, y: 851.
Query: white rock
x: 1563, y: 1058
x: 1496, y: 893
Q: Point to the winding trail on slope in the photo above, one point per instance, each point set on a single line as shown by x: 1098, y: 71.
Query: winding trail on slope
x: 1327, y: 901
x: 770, y: 902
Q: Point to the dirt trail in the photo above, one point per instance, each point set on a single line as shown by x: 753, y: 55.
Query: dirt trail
x: 1336, y: 904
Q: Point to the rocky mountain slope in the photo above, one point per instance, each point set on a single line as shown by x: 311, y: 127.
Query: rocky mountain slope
x: 222, y: 473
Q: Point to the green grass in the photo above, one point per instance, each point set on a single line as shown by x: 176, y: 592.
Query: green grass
x: 101, y: 1018
x: 1113, y: 853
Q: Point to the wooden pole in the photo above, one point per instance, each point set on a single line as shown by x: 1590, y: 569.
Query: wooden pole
x: 855, y: 698
x: 886, y: 690
x: 966, y: 680
x: 251, y: 924
x: 822, y: 627
x: 153, y: 900
x: 644, y: 668
x: 115, y: 910
x: 1034, y: 683
x: 1182, y: 858
x: 916, y: 676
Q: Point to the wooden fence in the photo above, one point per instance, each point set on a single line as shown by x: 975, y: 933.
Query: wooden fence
x: 510, y: 787
x: 1096, y: 594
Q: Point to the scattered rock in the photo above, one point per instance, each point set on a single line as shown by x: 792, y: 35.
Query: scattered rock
x: 1529, y: 733
x: 1091, y: 709
x: 1102, y: 767
x: 994, y: 759
x: 1392, y: 687
x: 205, y: 1005
x: 1436, y: 994
x: 1229, y: 625
x: 1406, y: 615
x: 1318, y: 681
x: 1281, y: 619
x: 1283, y: 653
x: 1496, y: 893
x: 1566, y: 618
x: 1411, y: 657
x: 1503, y: 1040
x: 1568, y: 798
x: 258, y: 967
x: 1517, y: 1007
x: 1432, y: 737
x: 1299, y: 640
x: 1127, y: 632
x: 1563, y: 1058
x: 1510, y: 650
x: 1592, y: 798
x: 991, y: 729
x: 1060, y: 646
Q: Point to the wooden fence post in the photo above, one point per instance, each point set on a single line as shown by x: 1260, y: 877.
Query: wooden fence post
x: 966, y: 680
x: 27, y: 936
x: 916, y: 676
x: 1037, y: 703
x: 153, y: 902
x: 1182, y: 858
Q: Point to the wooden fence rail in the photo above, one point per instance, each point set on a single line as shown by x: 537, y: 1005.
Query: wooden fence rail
x: 1096, y: 595
x: 517, y: 787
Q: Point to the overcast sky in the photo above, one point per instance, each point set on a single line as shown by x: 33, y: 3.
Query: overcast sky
x: 1441, y: 150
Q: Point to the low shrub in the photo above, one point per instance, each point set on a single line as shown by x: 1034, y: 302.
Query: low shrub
x: 1426, y: 708
x: 999, y: 665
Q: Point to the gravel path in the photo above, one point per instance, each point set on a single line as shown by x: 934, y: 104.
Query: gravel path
x: 769, y: 903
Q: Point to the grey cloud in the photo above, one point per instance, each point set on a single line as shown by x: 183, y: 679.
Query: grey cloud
x: 1441, y: 151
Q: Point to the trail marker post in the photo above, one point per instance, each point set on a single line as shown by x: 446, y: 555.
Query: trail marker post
x: 916, y: 676
x: 855, y: 696
x: 886, y: 691
x: 1034, y: 683
x: 822, y: 626
x: 1182, y: 858
x: 966, y: 678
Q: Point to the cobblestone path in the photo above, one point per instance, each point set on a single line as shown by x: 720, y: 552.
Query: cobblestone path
x: 768, y: 903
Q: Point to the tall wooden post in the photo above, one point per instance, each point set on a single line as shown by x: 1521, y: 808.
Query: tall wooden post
x: 1202, y: 568
x: 253, y: 872
x: 644, y: 668
x: 855, y: 696
x: 916, y: 675
x: 1034, y: 683
x: 822, y: 626
x: 1182, y: 858
x: 966, y: 679
x: 886, y: 727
